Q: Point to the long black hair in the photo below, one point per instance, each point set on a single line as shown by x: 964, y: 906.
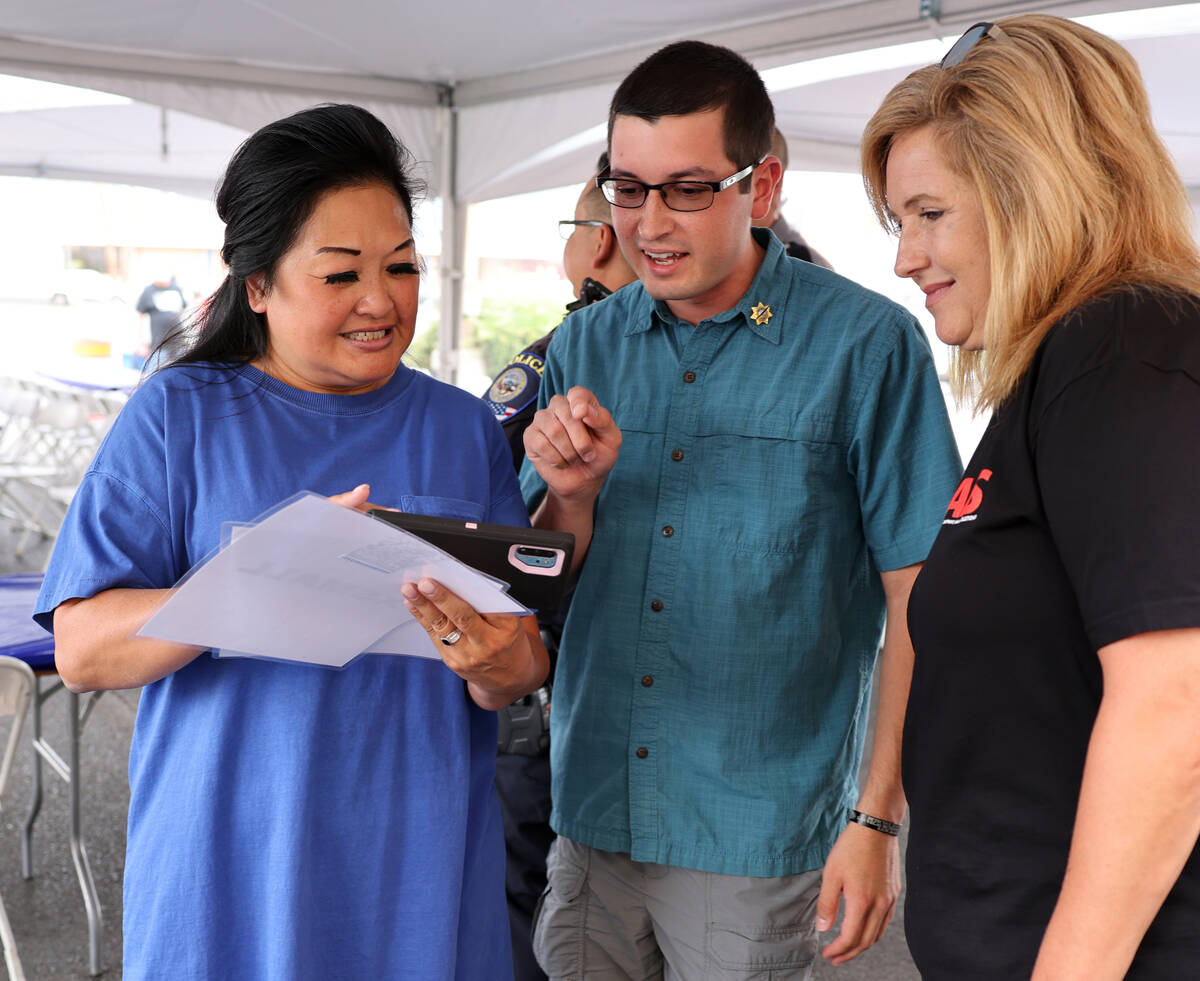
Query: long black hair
x: 268, y: 191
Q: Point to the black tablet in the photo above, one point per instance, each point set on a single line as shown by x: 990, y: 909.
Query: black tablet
x: 534, y: 563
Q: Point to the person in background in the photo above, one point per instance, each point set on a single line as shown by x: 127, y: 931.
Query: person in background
x: 163, y: 304
x: 753, y: 454
x: 288, y: 821
x: 792, y: 240
x: 596, y: 268
x: 1052, y: 745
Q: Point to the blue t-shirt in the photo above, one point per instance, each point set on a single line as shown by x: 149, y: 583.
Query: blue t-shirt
x: 285, y: 820
x: 714, y: 675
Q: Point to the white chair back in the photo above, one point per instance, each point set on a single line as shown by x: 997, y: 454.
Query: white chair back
x: 17, y: 685
x: 48, y: 436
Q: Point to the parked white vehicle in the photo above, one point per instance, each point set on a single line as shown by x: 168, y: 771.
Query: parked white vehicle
x: 69, y: 286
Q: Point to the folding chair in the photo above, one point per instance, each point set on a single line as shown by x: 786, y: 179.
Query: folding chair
x: 24, y: 640
x: 48, y: 436
x: 20, y: 451
x: 17, y: 685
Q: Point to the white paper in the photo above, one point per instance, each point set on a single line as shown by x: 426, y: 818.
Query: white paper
x: 408, y: 638
x: 313, y: 581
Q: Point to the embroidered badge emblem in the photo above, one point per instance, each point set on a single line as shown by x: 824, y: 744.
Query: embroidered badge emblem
x: 761, y: 314
x: 508, y: 386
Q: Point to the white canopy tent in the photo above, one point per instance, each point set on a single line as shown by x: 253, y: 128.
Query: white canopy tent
x: 494, y: 99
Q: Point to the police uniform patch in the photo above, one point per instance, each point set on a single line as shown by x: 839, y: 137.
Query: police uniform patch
x: 508, y: 385
x: 515, y: 387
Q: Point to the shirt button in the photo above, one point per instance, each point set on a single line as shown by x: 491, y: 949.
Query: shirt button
x: 677, y: 455
x: 689, y: 376
x: 656, y: 606
x: 647, y: 681
x: 668, y: 531
x: 642, y: 752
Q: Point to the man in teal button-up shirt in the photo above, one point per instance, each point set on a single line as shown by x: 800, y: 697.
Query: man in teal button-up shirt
x: 754, y: 456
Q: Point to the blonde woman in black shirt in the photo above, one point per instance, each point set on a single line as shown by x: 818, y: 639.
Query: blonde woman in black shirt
x: 1052, y: 742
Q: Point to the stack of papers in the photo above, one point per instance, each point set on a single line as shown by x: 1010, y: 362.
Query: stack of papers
x: 316, y: 582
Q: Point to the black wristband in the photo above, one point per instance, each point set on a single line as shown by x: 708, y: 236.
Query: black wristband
x: 875, y: 824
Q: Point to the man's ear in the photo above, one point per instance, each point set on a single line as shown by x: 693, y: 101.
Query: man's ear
x: 606, y: 244
x: 762, y: 187
x: 256, y: 293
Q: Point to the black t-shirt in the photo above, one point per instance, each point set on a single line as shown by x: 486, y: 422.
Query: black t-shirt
x: 1076, y: 524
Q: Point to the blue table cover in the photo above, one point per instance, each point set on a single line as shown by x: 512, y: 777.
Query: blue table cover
x: 19, y: 635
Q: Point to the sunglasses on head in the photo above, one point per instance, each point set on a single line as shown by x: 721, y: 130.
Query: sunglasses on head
x: 970, y: 38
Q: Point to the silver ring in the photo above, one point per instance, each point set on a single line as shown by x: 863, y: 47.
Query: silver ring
x: 452, y: 638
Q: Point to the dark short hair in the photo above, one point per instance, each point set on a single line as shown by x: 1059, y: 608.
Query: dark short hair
x: 779, y: 146
x: 592, y: 202
x: 692, y: 76
x: 268, y: 192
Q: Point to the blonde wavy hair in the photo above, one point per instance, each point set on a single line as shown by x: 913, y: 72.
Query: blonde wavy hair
x: 1050, y: 123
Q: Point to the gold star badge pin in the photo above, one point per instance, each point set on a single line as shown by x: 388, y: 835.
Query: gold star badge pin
x: 761, y: 314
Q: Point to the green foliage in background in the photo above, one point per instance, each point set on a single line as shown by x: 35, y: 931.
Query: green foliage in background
x: 420, y: 351
x: 502, y: 330
x: 505, y: 327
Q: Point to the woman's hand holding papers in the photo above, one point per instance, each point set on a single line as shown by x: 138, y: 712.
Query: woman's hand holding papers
x: 96, y: 642
x: 355, y: 500
x: 500, y: 656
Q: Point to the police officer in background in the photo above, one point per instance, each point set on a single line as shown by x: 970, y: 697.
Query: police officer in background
x: 595, y: 266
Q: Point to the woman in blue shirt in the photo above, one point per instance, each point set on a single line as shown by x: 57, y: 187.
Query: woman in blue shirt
x: 286, y: 820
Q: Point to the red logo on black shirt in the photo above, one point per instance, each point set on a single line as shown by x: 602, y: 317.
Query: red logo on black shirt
x: 966, y: 499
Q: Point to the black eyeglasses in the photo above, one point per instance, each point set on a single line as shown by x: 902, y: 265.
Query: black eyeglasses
x: 969, y: 39
x: 567, y: 228
x: 622, y: 192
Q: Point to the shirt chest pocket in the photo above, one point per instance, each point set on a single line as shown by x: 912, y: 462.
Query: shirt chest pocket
x: 756, y: 480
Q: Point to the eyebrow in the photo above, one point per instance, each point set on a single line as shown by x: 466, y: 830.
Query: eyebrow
x: 917, y: 199
x: 693, y: 173
x: 343, y: 250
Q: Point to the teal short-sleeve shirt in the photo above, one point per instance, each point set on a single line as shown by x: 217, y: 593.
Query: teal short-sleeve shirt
x: 712, y: 686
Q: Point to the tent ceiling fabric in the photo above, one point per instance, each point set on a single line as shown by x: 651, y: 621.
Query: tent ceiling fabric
x: 529, y: 80
x: 107, y: 143
x: 449, y: 42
